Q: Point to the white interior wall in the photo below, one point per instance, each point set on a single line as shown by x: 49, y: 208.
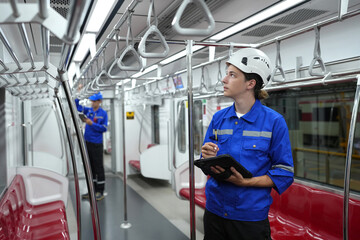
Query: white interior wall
x: 337, y: 41
x: 14, y: 145
x: 48, y: 146
x: 132, y: 130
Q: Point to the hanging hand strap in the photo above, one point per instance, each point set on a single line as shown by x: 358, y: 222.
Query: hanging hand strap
x: 219, y: 86
x: 193, y: 31
x: 153, y: 30
x: 278, y: 66
x: 317, y: 55
x: 130, y: 49
x: 203, y: 89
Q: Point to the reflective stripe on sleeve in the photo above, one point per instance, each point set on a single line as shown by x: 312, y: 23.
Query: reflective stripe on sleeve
x: 287, y: 168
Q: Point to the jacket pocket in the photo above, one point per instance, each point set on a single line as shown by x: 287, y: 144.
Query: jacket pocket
x: 223, y: 142
x: 256, y: 145
x: 255, y: 148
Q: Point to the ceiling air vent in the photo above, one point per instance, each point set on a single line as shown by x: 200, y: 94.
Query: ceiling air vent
x: 263, y: 31
x: 61, y: 6
x: 55, y: 44
x: 299, y: 16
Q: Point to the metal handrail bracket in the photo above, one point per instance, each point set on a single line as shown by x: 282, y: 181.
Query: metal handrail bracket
x: 27, y: 67
x: 29, y: 13
x: 343, y: 8
x: 193, y: 31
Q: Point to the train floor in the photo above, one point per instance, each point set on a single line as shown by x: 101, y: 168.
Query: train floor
x: 154, y: 211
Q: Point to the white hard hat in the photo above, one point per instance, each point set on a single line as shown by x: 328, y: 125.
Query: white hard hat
x: 251, y: 60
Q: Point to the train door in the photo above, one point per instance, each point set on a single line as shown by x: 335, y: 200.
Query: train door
x: 181, y: 148
x: 181, y: 152
x: 155, y: 159
x: 181, y: 145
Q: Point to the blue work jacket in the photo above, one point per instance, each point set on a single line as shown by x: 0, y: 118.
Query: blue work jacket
x: 259, y: 140
x: 94, y: 133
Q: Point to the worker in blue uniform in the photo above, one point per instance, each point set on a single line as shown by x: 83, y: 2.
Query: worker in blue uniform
x: 96, y: 124
x: 255, y: 136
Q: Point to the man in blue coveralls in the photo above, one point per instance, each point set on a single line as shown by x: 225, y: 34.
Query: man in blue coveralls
x: 96, y: 124
x: 255, y: 136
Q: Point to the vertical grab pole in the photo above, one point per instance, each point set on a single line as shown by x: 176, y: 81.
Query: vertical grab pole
x: 348, y: 161
x: 73, y: 160
x: 84, y: 155
x: 44, y: 13
x: 32, y: 143
x: 191, y: 138
x: 125, y: 224
x: 26, y: 147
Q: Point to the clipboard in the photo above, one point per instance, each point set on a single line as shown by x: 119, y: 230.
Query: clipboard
x: 82, y: 116
x: 225, y: 161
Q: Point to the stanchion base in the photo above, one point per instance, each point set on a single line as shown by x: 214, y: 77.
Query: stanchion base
x: 125, y: 225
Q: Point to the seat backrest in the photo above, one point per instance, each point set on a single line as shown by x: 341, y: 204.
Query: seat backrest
x: 295, y: 204
x: 320, y: 211
x: 11, y: 207
x: 151, y: 145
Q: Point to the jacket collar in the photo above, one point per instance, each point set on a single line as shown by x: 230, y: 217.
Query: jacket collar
x: 250, y: 116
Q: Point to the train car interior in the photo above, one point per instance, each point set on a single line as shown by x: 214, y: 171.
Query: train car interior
x: 159, y: 65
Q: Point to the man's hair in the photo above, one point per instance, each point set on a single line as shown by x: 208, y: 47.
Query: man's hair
x: 259, y: 92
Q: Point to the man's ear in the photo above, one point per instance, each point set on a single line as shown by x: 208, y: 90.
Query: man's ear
x: 251, y: 83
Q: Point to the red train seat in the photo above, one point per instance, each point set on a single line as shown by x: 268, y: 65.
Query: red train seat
x: 200, y: 198
x: 136, y: 163
x: 22, y: 220
x: 303, y: 212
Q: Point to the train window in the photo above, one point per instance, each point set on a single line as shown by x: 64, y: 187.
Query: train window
x: 181, y: 130
x: 155, y: 124
x: 318, y: 121
x: 198, y: 126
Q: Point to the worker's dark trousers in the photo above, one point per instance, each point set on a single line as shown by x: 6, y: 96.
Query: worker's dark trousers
x: 218, y: 228
x: 95, y: 151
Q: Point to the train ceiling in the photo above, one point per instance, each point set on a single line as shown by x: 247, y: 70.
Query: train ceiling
x: 226, y: 13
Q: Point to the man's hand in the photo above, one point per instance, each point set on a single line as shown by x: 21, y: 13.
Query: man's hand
x: 209, y: 149
x: 88, y: 121
x: 235, y: 178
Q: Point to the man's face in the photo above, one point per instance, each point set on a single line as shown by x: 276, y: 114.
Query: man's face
x: 95, y: 104
x: 235, y: 83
